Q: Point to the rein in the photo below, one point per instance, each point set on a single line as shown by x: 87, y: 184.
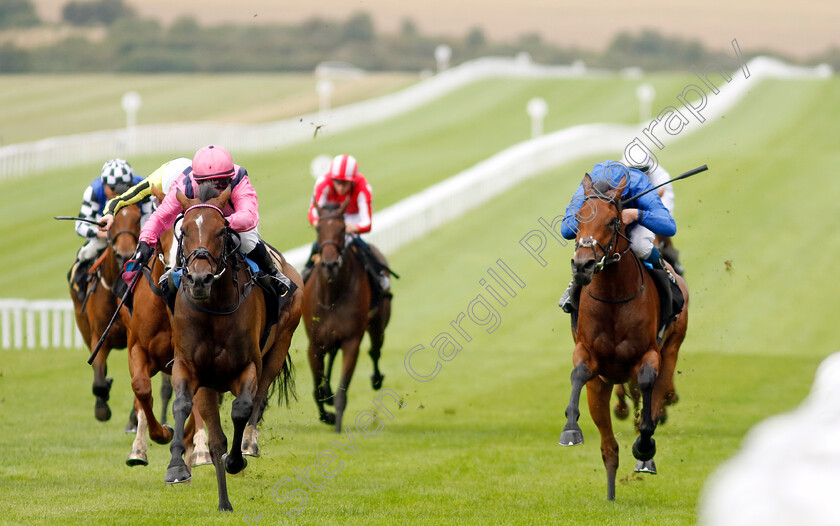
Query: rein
x: 607, y: 259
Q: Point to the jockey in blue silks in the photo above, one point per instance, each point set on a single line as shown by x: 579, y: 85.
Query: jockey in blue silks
x: 643, y: 218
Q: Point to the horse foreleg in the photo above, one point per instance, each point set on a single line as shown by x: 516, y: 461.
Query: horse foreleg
x: 177, y: 470
x: 101, y: 383
x: 376, y: 330
x: 208, y: 405
x: 644, y: 448
x: 165, y: 396
x: 598, y: 395
x: 137, y: 457
x: 141, y: 384
x: 350, y: 354
x: 321, y: 382
x: 245, y: 389
x: 572, y: 435
x: 664, y: 392
x: 274, y: 363
x: 621, y: 410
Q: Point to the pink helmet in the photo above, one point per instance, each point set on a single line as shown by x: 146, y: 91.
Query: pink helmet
x: 212, y: 162
x: 344, y: 168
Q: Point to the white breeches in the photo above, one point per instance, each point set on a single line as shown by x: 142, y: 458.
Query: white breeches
x: 91, y: 249
x: 641, y: 241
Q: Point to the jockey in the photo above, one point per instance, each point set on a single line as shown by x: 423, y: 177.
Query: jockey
x: 657, y: 176
x: 343, y: 181
x: 643, y: 218
x: 116, y: 175
x: 212, y: 164
x: 162, y: 179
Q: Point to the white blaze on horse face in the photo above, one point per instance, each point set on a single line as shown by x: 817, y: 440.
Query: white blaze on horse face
x: 198, y: 223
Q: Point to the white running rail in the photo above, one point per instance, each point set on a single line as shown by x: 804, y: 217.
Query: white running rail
x: 419, y: 214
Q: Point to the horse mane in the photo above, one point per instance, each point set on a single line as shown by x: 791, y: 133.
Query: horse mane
x: 207, y: 191
x: 602, y: 186
x: 331, y: 208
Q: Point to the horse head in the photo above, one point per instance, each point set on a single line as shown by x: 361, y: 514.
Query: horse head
x: 125, y: 231
x: 599, y: 228
x: 331, y: 237
x: 203, y: 244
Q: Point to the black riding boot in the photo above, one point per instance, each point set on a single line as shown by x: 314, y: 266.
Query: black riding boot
x: 672, y: 256
x: 79, y: 278
x: 263, y: 259
x: 571, y: 298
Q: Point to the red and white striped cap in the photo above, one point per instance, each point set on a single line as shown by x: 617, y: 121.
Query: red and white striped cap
x: 344, y: 168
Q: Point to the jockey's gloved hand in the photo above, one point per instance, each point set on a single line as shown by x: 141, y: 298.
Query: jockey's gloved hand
x: 133, y: 265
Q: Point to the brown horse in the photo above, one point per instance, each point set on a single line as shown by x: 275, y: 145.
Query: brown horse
x: 337, y: 313
x: 219, y: 317
x: 616, y: 337
x: 95, y: 311
x: 149, y: 352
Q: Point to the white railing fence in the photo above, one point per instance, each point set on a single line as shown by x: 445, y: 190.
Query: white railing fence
x: 39, y: 323
x: 421, y: 213
x: 23, y: 159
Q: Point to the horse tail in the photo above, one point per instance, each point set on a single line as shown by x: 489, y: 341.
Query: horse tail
x: 284, y: 383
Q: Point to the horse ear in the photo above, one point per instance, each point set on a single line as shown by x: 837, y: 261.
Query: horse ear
x: 158, y: 193
x: 615, y: 193
x: 587, y: 185
x: 224, y: 197
x: 185, y: 202
x: 343, y: 206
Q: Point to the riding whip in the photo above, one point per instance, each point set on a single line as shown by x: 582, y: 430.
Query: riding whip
x: 114, y: 317
x: 82, y: 219
x: 683, y: 176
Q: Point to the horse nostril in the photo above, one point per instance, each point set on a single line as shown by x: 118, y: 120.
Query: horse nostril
x: 207, y: 280
x: 589, y: 266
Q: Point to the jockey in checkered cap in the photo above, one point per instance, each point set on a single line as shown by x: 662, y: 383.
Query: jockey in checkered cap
x: 116, y: 177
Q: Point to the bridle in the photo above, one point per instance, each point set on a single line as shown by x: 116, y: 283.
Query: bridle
x: 339, y: 245
x: 219, y: 264
x: 608, y: 257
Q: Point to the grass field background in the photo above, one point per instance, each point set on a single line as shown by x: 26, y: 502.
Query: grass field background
x: 478, y: 443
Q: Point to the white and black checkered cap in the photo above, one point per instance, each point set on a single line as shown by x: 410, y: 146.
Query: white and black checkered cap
x: 116, y: 171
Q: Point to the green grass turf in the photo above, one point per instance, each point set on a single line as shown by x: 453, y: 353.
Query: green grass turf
x: 478, y: 443
x: 400, y: 157
x: 40, y: 106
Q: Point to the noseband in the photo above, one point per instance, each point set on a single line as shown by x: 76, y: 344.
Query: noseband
x: 591, y: 242
x: 607, y: 259
x: 201, y: 252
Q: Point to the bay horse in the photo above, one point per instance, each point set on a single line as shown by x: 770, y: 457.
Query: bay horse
x: 149, y: 352
x: 217, y: 324
x: 96, y: 309
x: 616, y: 336
x: 337, y: 312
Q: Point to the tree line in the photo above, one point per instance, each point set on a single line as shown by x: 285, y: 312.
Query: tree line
x: 142, y: 45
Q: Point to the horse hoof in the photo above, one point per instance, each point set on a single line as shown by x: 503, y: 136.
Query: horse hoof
x: 201, y: 458
x: 376, y: 381
x: 328, y: 418
x: 102, y: 411
x: 647, y: 466
x: 644, y: 454
x: 621, y: 411
x: 130, y: 429
x: 136, y: 458
x: 166, y: 437
x: 232, y: 465
x: 571, y: 437
x: 177, y: 474
x: 251, y: 450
